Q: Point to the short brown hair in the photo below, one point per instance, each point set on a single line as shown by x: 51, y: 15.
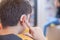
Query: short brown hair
x: 11, y: 11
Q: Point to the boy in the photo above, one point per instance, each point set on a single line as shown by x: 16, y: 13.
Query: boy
x: 13, y: 15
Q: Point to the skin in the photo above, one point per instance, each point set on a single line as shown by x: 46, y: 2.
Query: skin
x: 34, y: 31
x: 56, y: 3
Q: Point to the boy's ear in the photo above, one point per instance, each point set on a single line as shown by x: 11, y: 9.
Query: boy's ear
x: 23, y: 18
x: 0, y: 26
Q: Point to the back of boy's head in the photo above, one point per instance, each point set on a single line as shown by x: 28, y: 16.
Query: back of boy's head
x: 12, y: 10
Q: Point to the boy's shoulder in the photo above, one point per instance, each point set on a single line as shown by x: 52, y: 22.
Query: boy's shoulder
x: 9, y: 37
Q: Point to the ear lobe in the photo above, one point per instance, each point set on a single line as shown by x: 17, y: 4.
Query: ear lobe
x: 23, y: 18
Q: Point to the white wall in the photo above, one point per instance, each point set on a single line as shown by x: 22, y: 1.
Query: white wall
x: 41, y: 13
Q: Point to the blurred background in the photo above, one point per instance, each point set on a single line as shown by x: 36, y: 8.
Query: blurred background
x: 43, y: 10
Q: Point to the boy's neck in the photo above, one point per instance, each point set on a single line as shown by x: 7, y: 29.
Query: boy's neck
x: 10, y: 30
